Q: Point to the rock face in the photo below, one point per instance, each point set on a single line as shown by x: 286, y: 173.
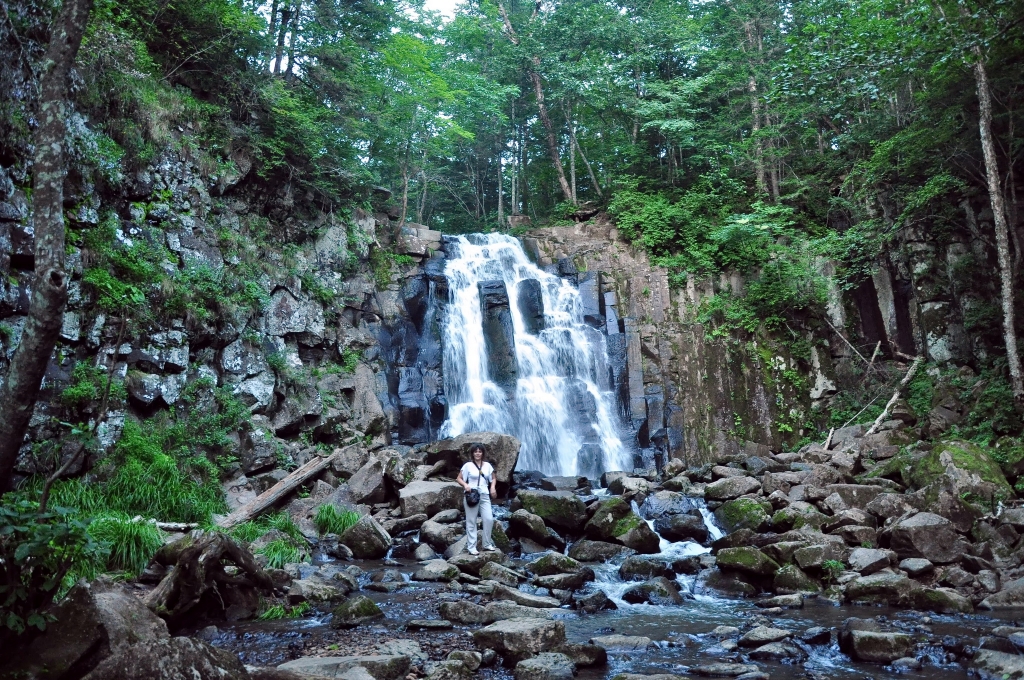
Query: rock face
x: 499, y: 334
x: 502, y: 453
x: 177, y: 658
x: 517, y: 639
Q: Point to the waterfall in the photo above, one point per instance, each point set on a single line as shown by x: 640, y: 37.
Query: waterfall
x: 547, y: 383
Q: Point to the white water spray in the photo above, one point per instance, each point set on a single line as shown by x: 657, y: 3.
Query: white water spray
x: 562, y: 409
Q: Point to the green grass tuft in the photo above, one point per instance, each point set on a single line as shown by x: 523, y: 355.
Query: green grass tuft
x: 330, y: 520
x: 281, y: 552
x: 132, y: 544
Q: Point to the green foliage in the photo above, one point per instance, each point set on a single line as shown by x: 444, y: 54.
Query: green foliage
x: 832, y: 569
x: 350, y: 359
x: 132, y: 543
x: 280, y: 611
x: 383, y: 261
x: 37, y: 551
x: 330, y: 520
x: 257, y: 528
x: 281, y: 552
x: 88, y: 384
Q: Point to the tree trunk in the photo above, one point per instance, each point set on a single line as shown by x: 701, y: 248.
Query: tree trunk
x: 542, y: 109
x: 501, y: 202
x: 423, y: 194
x: 49, y: 287
x: 272, y: 31
x: 586, y: 164
x: 572, y: 152
x: 291, y: 41
x: 995, y: 195
x: 286, y: 16
x: 755, y: 115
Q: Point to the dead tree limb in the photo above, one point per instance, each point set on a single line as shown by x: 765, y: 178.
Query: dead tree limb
x: 895, y: 396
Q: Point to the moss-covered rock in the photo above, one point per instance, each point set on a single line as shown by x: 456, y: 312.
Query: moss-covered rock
x: 969, y: 464
x: 354, y: 611
x: 555, y: 563
x: 791, y: 579
x: 748, y: 560
x: 609, y: 517
x: 561, y: 509
x: 942, y: 600
x: 742, y: 513
x: 797, y: 516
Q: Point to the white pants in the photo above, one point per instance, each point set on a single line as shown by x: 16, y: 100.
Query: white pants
x: 483, y: 510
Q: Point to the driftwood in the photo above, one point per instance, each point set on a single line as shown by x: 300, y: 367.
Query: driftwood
x: 271, y: 496
x: 198, y: 584
x: 895, y: 396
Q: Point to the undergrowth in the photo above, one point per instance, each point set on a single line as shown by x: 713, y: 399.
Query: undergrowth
x: 330, y: 520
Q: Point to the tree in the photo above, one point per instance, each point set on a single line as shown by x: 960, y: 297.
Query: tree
x: 50, y: 286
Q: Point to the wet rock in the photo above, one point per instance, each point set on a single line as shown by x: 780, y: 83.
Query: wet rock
x: 562, y: 509
x: 597, y: 551
x: 723, y: 670
x: 436, y: 570
x: 517, y: 639
x: 762, y: 635
x: 430, y: 498
x: 316, y: 590
x: 355, y: 611
x: 472, y: 564
x: 440, y: 536
x: 178, y: 658
x: 883, y: 588
x: 545, y: 666
x: 379, y: 667
x: 943, y: 601
x: 682, y: 528
x: 584, y: 655
x: 658, y: 590
x: 929, y: 536
x: 813, y: 556
x: 566, y: 581
x: 729, y: 584
x: 794, y: 601
x: 777, y: 651
x: 992, y: 664
x: 869, y: 560
x: 501, y: 574
x: 555, y: 563
x: 1010, y: 597
x: 637, y: 568
x: 797, y: 515
x: 470, y: 659
x: 742, y: 513
x: 424, y: 552
x: 525, y: 599
x: 614, y: 520
x: 594, y: 602
x: 400, y: 525
x: 525, y: 524
x: 791, y: 579
x: 367, y: 539
x: 665, y: 504
x: 731, y: 487
x: 617, y: 644
x: 747, y: 560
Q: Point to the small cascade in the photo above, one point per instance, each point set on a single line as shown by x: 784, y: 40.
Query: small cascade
x: 519, y: 359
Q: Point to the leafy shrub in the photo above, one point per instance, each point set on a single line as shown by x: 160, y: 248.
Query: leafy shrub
x: 132, y: 543
x: 37, y: 552
x: 88, y: 383
x: 330, y: 520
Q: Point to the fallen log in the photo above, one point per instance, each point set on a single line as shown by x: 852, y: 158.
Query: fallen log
x: 276, y: 493
x: 199, y: 586
x: 895, y: 396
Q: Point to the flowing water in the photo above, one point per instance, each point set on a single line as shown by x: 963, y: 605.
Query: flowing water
x: 562, y: 408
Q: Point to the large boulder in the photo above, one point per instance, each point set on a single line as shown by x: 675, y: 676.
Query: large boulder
x: 1010, y: 597
x: 525, y: 524
x: 367, y: 539
x: 96, y: 620
x: 585, y: 550
x: 378, y: 667
x: 614, y: 520
x: 355, y: 611
x: 554, y: 563
x: 682, y: 528
x: 545, y: 666
x: 878, y: 647
x: 728, y: 488
x: 747, y: 559
x: 929, y: 536
x: 970, y: 468
x: 520, y: 638
x: 472, y: 564
x: 869, y: 560
x: 436, y: 570
x: 562, y: 509
x: 177, y: 658
x: 430, y: 498
x: 367, y: 484
x: 502, y: 452
x: 658, y: 590
x: 440, y: 536
x: 742, y: 513
x: 883, y: 588
x: 990, y: 664
x: 367, y: 413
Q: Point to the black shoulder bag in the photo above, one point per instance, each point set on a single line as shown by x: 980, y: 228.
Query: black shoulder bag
x: 473, y: 495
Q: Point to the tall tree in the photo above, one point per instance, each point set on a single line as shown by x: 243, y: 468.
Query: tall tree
x: 50, y: 285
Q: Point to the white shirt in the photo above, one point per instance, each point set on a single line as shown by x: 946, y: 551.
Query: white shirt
x: 472, y: 476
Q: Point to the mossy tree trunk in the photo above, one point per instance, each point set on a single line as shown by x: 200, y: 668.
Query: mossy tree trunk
x: 49, y: 287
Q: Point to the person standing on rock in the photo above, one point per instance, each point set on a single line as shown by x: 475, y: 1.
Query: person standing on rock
x: 478, y: 475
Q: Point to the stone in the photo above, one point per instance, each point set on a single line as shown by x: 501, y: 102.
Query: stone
x: 367, y: 485
x: 367, y: 413
x: 998, y: 665
x: 878, y: 647
x: 440, y: 536
x: 614, y: 521
x: 794, y: 601
x: 554, y: 563
x: 791, y: 579
x: 886, y: 505
x: 177, y: 658
x: 520, y: 638
x: 95, y: 620
x: 1010, y: 597
x: 472, y: 564
x: 723, y: 670
x: 436, y: 570
x: 731, y: 487
x: 452, y: 669
x: 970, y: 468
x: 502, y: 592
x: 316, y: 590
x: 682, y: 528
x: 367, y: 539
x: 777, y: 651
x: 355, y: 611
x: 500, y: 573
x: 617, y: 644
x: 502, y: 452
x: 728, y: 584
x: 424, y: 552
x: 943, y: 601
x: 545, y: 666
x: 657, y: 591
x: 585, y: 655
x: 565, y: 581
x: 640, y: 568
x: 813, y: 556
x: 429, y: 624
x: 797, y: 515
x: 929, y: 536
x: 498, y: 334
x: 525, y: 524
x: 854, y: 495
x: 762, y: 635
x: 747, y: 560
x: 562, y: 509
x: 883, y: 588
x: 430, y: 498
x: 869, y: 560
x: 379, y: 667
x: 586, y: 550
x: 742, y: 513
x: 594, y: 602
x: 470, y: 659
x: 665, y: 504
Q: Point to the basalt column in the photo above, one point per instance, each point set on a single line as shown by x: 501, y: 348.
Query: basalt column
x: 499, y: 335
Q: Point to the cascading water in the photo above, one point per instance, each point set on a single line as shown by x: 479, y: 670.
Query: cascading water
x: 558, y: 401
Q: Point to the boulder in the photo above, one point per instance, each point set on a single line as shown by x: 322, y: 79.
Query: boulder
x: 929, y: 536
x: 725, y: 670
x: 682, y: 528
x: 558, y: 483
x: 440, y: 536
x: 639, y: 568
x: 554, y: 563
x: 664, y: 504
x: 501, y: 574
x: 436, y: 570
x: 658, y: 590
x: 916, y: 566
x: 594, y: 602
x: 367, y: 539
x: 562, y: 509
x: 886, y: 505
x: 545, y: 666
x: 796, y: 515
x: 469, y: 658
x: 877, y: 647
x: 613, y: 520
x: 827, y: 548
x: 943, y: 601
x: 525, y: 524
x: 883, y: 588
x: 617, y: 644
x: 1010, y: 597
x: 520, y: 638
x: 791, y: 579
x: 502, y: 592
x: 355, y: 611
x: 778, y: 651
x: 584, y: 654
x: 315, y: 589
x: 854, y: 495
x: 747, y: 560
x: 762, y: 635
x: 96, y: 620
x: 729, y: 488
x: 597, y: 551
x: 367, y: 484
x: 177, y: 658
x: 990, y: 664
x: 502, y: 452
x: 430, y: 498
x: 472, y: 564
x: 379, y: 667
x: 869, y: 560
x: 566, y: 581
x: 742, y: 513
x: 969, y: 468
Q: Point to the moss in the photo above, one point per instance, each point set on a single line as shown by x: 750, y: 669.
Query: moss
x: 965, y: 456
x: 750, y: 560
x: 626, y: 524
x: 742, y: 513
x: 797, y: 518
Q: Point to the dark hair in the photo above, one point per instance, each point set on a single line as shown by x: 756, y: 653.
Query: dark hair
x: 477, y: 445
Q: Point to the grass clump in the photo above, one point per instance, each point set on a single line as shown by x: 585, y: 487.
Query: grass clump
x: 281, y: 552
x: 331, y: 520
x: 257, y: 528
x: 280, y: 611
x: 132, y: 544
